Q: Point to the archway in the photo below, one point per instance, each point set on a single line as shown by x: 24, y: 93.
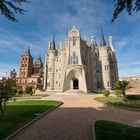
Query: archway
x: 75, y: 84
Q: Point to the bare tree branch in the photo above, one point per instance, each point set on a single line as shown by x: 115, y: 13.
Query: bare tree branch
x: 129, y: 5
x: 9, y: 8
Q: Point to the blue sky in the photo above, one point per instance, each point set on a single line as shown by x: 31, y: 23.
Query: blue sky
x: 36, y: 27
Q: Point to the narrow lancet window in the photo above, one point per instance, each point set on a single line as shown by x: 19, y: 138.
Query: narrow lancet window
x: 74, y: 41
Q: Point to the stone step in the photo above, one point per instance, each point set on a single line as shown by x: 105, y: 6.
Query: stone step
x: 75, y: 91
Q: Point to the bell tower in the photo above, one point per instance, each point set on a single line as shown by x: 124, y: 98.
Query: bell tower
x: 26, y: 66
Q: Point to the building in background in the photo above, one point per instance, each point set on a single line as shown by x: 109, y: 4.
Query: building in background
x: 80, y: 66
x: 134, y: 82
x: 31, y: 73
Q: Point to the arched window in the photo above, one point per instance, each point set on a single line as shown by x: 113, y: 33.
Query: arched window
x: 108, y: 83
x: 71, y: 59
x: 74, y: 55
x: 74, y: 58
x: 75, y: 84
x: 107, y: 67
x: 74, y: 41
x: 98, y: 84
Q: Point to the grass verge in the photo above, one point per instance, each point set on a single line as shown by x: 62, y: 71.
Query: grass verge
x: 17, y: 114
x: 120, y: 101
x: 108, y: 130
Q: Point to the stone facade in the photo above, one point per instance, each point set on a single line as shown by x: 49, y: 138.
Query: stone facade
x: 31, y: 73
x: 77, y: 65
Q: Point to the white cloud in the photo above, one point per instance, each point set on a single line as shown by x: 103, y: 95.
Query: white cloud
x: 59, y: 15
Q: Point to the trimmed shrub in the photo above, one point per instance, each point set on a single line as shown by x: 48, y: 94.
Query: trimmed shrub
x: 118, y: 93
x: 133, y: 97
x: 14, y: 99
x: 31, y: 93
x: 14, y: 90
x: 106, y: 92
x: 19, y: 91
x: 28, y: 89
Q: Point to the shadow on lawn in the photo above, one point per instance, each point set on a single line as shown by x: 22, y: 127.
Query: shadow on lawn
x: 75, y: 122
x: 18, y: 115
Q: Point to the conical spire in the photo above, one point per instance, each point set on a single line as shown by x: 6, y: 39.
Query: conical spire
x: 53, y: 44
x: 95, y: 43
x: 102, y: 41
x: 28, y: 51
x: 39, y: 58
x: 92, y: 40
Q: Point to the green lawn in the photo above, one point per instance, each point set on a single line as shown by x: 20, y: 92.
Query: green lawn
x: 19, y: 113
x: 119, y: 101
x: 107, y: 130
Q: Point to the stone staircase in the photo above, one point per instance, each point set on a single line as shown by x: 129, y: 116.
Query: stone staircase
x: 74, y: 91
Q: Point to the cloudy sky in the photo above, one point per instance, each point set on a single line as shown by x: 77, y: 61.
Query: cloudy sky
x: 44, y: 17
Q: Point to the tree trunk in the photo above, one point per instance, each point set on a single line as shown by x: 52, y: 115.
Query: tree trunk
x: 2, y: 111
x: 123, y: 92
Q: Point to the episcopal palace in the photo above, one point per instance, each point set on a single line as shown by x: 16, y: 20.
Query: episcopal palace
x: 77, y: 65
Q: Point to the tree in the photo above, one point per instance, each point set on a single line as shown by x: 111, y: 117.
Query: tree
x: 9, y: 8
x: 7, y: 90
x: 129, y: 5
x: 122, y: 86
x: 13, y: 74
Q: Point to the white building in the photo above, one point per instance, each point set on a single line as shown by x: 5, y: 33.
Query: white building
x: 77, y: 65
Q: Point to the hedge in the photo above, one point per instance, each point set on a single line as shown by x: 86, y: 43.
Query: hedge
x: 133, y: 97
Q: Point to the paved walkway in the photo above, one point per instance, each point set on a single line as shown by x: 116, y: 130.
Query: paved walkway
x: 73, y: 120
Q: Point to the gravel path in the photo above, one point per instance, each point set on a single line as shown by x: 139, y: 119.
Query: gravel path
x: 73, y: 120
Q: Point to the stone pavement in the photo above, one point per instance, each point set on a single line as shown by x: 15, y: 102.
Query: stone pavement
x: 73, y: 120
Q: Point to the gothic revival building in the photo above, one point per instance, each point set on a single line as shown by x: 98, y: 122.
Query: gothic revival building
x: 77, y: 65
x: 31, y: 73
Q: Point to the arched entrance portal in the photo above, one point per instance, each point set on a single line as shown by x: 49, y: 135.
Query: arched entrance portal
x: 75, y: 84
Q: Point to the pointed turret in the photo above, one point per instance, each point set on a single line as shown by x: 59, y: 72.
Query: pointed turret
x: 102, y: 41
x: 52, y: 47
x: 39, y: 61
x: 111, y: 43
x: 92, y: 40
x: 28, y: 51
x: 95, y: 43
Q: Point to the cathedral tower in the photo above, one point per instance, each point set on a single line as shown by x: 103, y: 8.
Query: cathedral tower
x: 26, y: 66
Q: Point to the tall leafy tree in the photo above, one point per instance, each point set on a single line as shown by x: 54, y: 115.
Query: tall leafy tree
x: 129, y: 5
x: 7, y: 91
x: 9, y: 8
x: 123, y: 86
